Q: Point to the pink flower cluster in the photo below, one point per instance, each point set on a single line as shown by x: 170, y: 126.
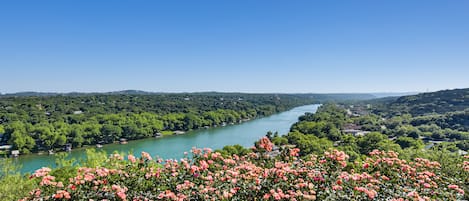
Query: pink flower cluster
x: 210, y: 176
x: 266, y: 144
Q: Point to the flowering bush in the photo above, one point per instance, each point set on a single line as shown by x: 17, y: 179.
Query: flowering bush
x: 257, y: 176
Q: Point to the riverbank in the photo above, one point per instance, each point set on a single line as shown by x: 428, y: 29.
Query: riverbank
x: 173, y: 146
x: 123, y: 141
x: 34, y: 124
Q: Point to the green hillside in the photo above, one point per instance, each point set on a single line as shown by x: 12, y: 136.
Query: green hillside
x: 439, y: 102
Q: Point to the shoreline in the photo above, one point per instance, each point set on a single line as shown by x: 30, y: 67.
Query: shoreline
x: 172, y: 146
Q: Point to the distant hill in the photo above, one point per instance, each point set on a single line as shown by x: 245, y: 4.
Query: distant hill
x: 339, y: 96
x: 439, y: 102
x: 316, y: 96
x: 30, y: 93
x: 393, y: 94
x: 39, y: 94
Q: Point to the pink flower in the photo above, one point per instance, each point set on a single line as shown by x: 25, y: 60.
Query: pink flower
x: 203, y: 165
x: 146, y: 155
x: 196, y: 151
x: 194, y: 169
x: 265, y: 144
x: 62, y: 194
x: 41, y: 172
x: 89, y: 177
x: 385, y: 178
x: 131, y: 158
x: 36, y: 192
x: 365, y: 165
x: 294, y: 152
x: 452, y: 186
x: 336, y: 187
x: 47, y: 180
x: 413, y: 194
x: 121, y: 195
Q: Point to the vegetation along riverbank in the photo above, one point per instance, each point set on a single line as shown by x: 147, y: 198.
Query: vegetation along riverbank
x: 53, y: 123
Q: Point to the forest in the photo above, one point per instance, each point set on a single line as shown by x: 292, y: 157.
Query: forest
x: 49, y: 122
x: 440, y: 102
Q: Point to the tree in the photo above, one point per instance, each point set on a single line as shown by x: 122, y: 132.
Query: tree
x: 234, y: 149
x: 19, y: 137
x: 308, y: 143
x: 192, y: 121
x: 388, y: 145
x: 279, y: 140
x: 48, y: 136
x: 408, y: 142
x: 77, y: 135
x: 370, y: 141
x: 22, y: 141
x: 269, y: 135
x: 111, y: 133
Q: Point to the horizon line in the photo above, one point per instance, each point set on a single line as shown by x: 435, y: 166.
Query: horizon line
x: 212, y: 91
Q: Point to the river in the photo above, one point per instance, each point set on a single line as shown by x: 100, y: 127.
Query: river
x: 174, y: 146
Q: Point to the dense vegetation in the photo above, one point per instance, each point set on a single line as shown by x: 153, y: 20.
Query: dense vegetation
x: 341, y: 152
x: 441, y: 116
x: 360, y: 128
x: 40, y: 123
x: 439, y: 102
x: 315, y: 133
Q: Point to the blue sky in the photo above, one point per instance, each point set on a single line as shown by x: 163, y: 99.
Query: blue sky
x: 242, y: 45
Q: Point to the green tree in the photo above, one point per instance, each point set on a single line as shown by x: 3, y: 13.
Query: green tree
x: 19, y: 137
x: 111, y: 133
x: 76, y: 133
x: 370, y: 141
x: 408, y: 142
x: 47, y: 136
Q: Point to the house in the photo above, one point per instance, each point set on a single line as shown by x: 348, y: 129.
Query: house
x: 78, y: 112
x: 352, y: 127
x: 68, y: 147
x: 15, y: 153
x: 349, y: 112
x: 178, y: 132
x: 6, y: 147
x: 432, y: 143
x: 356, y: 132
x: 462, y: 153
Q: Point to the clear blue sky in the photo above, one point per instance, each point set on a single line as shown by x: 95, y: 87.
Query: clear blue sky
x: 241, y: 45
